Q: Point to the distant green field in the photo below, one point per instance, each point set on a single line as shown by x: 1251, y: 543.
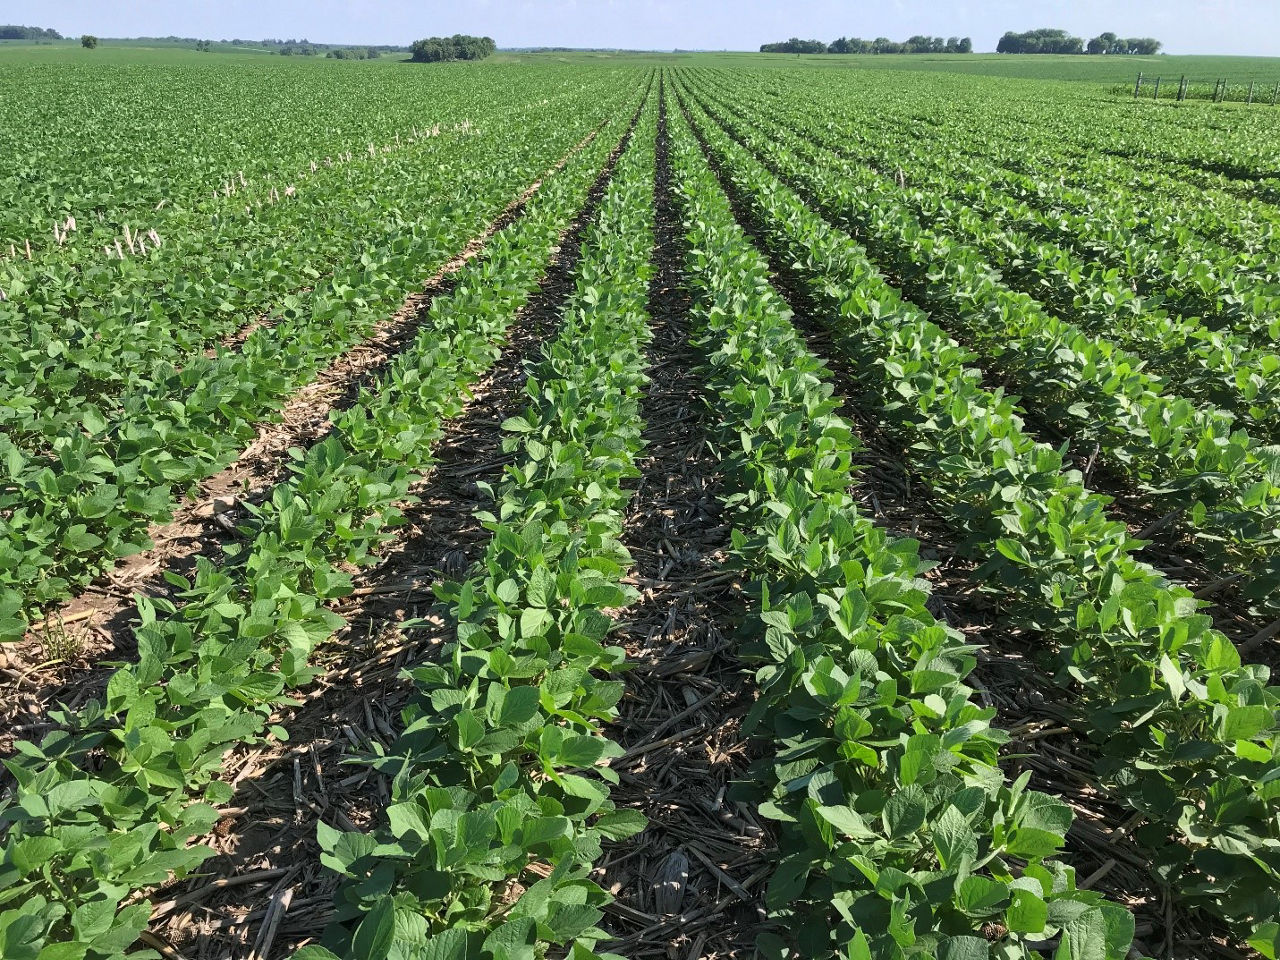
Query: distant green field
x: 1107, y: 70
x: 1113, y: 76
x: 159, y: 52
x: 1040, y: 67
x: 117, y: 53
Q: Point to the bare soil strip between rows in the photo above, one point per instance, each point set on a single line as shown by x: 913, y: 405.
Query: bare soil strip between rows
x: 267, y: 891
x: 688, y: 884
x: 1172, y: 549
x: 61, y: 657
x: 1008, y: 676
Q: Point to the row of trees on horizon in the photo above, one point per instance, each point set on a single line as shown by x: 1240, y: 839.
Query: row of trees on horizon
x: 286, y: 48
x: 464, y: 47
x: 12, y: 31
x: 458, y: 47
x: 1043, y: 40
x: 916, y: 44
x: 1047, y: 40
x: 429, y: 50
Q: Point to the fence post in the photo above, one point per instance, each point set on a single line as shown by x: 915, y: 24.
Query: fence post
x: 1137, y: 86
x: 1182, y: 88
x: 1275, y: 95
x: 1251, y: 83
x: 1156, y: 95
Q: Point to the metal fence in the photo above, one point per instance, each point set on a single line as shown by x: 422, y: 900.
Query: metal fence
x: 1217, y: 91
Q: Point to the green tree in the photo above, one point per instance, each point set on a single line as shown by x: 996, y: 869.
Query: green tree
x: 1143, y: 46
x: 794, y: 45
x: 88, y: 41
x: 457, y: 47
x: 1043, y: 40
x: 11, y: 31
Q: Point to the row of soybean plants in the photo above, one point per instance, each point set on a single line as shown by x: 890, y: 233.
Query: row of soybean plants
x: 1179, y: 728
x: 1199, y: 155
x: 203, y: 124
x: 499, y: 776
x: 1221, y: 485
x: 1055, y: 140
x: 110, y: 802
x: 88, y: 465
x: 1151, y: 245
x: 169, y: 136
x: 1196, y: 255
x: 199, y: 235
x: 1133, y: 227
x: 1064, y: 140
x: 1063, y: 175
x: 1207, y: 366
x: 898, y: 833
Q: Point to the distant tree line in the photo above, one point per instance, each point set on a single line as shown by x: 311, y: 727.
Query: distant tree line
x: 457, y: 47
x: 794, y: 45
x: 916, y: 44
x: 1047, y: 40
x: 354, y: 53
x: 287, y: 48
x: 1110, y: 43
x: 11, y: 31
x: 307, y: 47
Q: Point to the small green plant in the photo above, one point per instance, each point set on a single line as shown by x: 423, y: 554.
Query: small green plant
x: 60, y: 644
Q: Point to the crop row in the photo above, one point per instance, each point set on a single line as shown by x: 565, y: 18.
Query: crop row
x: 1060, y: 178
x: 1217, y: 481
x: 1151, y: 244
x: 222, y: 261
x: 110, y: 802
x: 1230, y: 210
x: 501, y: 767
x: 1216, y: 367
x: 899, y: 835
x: 108, y: 143
x: 1181, y: 730
x: 1067, y: 163
x: 144, y: 314
x: 84, y: 496
x: 196, y: 279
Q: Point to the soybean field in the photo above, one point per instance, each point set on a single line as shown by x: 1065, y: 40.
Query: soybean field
x: 656, y: 507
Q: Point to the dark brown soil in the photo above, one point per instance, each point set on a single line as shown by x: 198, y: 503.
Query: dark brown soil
x: 687, y: 886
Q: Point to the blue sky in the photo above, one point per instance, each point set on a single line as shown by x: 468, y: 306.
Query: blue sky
x: 1185, y: 26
